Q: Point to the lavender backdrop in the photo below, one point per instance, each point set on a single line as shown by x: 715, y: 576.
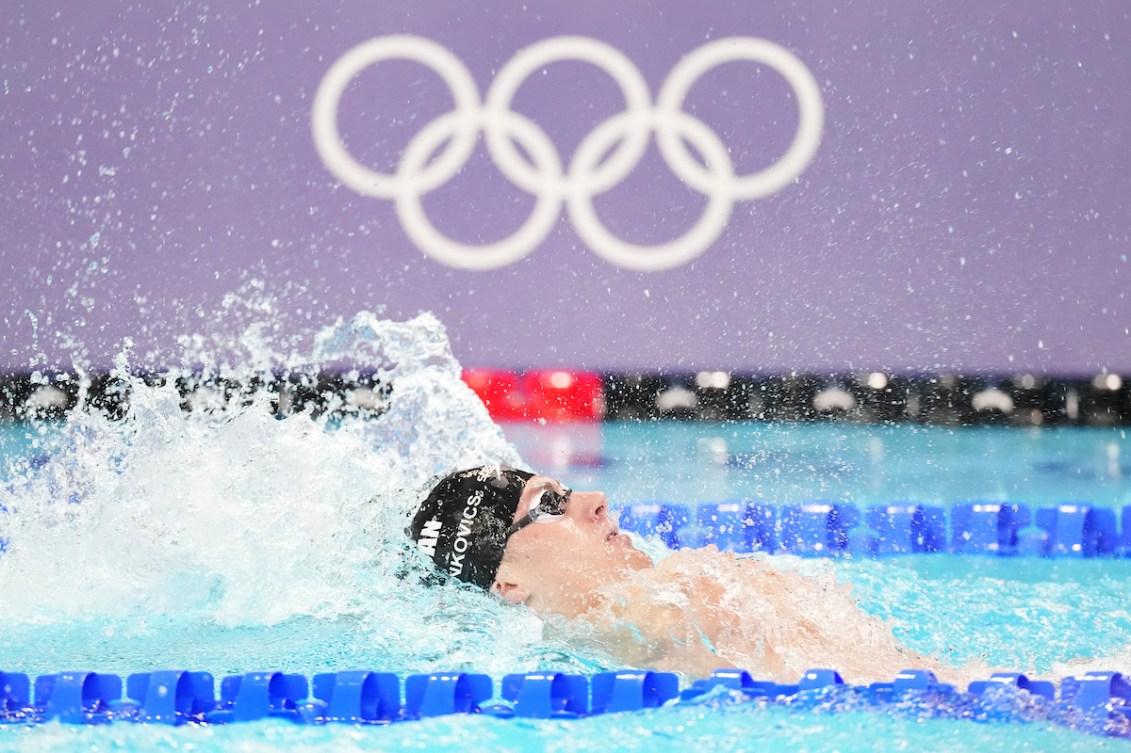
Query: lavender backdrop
x: 967, y: 208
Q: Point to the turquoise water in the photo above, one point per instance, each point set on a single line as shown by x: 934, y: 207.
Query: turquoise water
x: 734, y: 728
x: 1033, y: 615
x: 230, y: 541
x: 783, y: 463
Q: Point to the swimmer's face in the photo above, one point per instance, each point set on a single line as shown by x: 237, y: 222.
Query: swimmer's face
x: 556, y: 565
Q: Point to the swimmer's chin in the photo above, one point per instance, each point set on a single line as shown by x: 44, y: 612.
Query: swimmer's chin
x: 634, y: 558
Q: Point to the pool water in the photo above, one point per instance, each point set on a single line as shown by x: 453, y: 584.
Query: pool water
x: 727, y: 728
x: 790, y: 463
x: 230, y: 541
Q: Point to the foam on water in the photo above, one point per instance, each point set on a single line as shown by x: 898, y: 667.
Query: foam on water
x: 720, y: 729
x: 229, y: 517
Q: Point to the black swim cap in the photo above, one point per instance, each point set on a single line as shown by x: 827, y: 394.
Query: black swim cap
x: 463, y: 522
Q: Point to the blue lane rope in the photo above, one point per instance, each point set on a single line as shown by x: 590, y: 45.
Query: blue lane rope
x: 835, y: 529
x: 1097, y: 702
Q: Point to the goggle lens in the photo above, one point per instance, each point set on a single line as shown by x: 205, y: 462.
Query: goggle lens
x: 549, y: 506
x: 551, y: 503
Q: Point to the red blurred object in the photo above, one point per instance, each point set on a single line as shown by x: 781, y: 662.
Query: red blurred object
x: 563, y: 395
x: 498, y: 389
x: 554, y: 395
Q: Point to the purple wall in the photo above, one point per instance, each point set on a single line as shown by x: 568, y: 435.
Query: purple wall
x: 967, y: 207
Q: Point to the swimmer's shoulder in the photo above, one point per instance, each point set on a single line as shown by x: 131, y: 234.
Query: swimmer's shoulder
x: 707, y: 559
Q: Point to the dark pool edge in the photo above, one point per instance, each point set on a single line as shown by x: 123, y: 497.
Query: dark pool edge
x: 1025, y: 400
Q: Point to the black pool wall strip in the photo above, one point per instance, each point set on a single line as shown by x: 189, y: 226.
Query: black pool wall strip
x: 864, y: 397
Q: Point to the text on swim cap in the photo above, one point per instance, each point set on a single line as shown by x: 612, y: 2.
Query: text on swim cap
x: 428, y: 536
x: 459, y: 546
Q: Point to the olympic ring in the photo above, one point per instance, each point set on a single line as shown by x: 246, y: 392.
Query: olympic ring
x: 604, y: 158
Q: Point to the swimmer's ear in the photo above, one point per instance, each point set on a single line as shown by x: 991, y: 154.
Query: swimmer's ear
x: 510, y: 591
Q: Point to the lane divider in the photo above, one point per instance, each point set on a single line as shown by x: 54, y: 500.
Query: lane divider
x: 1097, y: 702
x: 836, y: 529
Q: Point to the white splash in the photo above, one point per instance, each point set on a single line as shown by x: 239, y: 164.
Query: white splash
x: 231, y: 513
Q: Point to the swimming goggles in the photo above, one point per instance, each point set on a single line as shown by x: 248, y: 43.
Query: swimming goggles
x: 548, y: 507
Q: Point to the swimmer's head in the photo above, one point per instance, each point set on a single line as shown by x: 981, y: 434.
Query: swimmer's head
x: 525, y: 538
x: 463, y: 523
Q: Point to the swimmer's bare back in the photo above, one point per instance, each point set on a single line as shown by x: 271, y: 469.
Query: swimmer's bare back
x: 700, y: 610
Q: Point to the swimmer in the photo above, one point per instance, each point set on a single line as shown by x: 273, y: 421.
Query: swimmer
x: 529, y: 540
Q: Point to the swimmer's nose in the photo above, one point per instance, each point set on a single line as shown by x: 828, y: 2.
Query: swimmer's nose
x: 592, y: 506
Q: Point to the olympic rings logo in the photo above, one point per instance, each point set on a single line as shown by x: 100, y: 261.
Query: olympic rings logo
x: 604, y: 158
